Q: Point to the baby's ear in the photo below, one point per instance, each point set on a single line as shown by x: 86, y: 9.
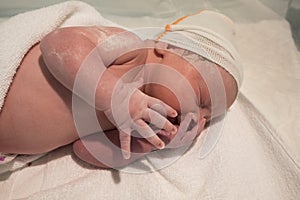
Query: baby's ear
x: 161, y: 48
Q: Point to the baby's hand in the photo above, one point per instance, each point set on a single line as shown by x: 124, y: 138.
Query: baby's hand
x: 130, y: 111
x: 190, y: 127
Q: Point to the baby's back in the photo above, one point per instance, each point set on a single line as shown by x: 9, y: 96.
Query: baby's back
x: 37, y: 115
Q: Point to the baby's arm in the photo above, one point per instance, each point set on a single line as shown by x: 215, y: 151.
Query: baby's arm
x: 94, y: 150
x: 65, y: 50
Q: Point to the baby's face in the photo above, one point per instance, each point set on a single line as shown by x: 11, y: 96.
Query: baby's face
x: 190, y: 89
x: 206, y: 98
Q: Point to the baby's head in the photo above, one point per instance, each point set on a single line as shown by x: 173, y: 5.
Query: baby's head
x: 189, y: 82
x: 199, y: 47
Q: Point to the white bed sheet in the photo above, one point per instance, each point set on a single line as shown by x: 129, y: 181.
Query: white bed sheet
x: 272, y: 78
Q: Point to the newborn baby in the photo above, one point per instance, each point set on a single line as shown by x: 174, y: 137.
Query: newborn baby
x: 37, y: 116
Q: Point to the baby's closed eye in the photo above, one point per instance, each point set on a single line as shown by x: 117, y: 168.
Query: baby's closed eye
x: 135, y: 57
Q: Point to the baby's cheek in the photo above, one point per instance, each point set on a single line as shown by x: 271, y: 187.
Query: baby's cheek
x: 171, y: 99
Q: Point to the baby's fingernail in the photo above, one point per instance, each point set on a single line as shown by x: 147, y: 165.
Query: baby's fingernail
x: 174, y: 114
x: 126, y: 155
x: 161, y: 145
x: 174, y: 130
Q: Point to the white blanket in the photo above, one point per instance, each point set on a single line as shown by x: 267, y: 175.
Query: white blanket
x: 21, y: 32
x: 250, y: 161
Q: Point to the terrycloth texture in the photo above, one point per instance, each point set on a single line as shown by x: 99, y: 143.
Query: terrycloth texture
x: 5, y: 158
x: 17, y: 162
x: 249, y: 162
x: 21, y: 32
x: 209, y: 34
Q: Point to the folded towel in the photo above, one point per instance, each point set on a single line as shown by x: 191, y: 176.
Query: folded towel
x: 19, y: 33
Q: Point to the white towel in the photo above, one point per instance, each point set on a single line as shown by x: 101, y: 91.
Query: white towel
x: 249, y: 162
x: 21, y: 32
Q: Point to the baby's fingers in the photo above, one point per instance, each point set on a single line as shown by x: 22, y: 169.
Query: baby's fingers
x: 184, y: 125
x: 192, y: 134
x: 146, y: 132
x: 189, y: 136
x: 158, y: 120
x: 125, y: 139
x: 161, y: 107
x: 182, y: 132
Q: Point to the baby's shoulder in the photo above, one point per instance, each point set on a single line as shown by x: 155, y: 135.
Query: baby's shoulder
x: 98, y: 34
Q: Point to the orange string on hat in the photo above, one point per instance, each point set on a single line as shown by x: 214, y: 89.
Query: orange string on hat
x: 168, y: 27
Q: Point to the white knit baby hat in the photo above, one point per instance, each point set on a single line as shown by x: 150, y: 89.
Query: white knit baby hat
x: 209, y: 34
